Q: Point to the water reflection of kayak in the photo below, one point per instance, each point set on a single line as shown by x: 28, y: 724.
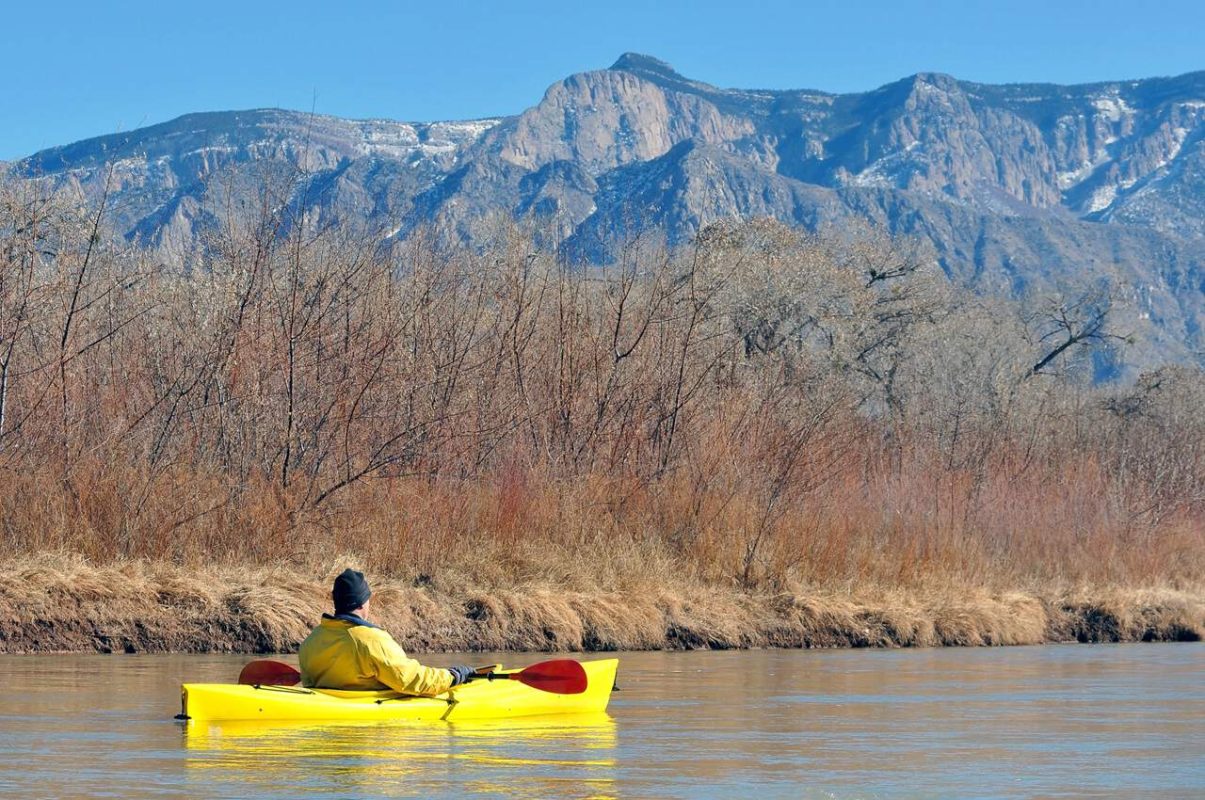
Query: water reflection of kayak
x: 594, y: 730
x: 502, y: 699
x: 567, y: 755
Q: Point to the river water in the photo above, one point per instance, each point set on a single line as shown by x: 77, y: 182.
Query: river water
x: 1056, y: 721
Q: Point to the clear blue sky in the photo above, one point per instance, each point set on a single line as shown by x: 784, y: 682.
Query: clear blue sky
x: 71, y: 70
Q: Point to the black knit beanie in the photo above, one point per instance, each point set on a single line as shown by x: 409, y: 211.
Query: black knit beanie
x: 351, y: 591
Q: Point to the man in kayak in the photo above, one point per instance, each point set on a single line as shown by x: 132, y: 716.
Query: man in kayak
x: 346, y: 651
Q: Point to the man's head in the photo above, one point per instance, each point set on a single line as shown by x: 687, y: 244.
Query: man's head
x: 351, y: 591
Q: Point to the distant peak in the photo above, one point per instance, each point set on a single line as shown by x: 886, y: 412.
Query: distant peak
x: 636, y: 62
x: 935, y: 78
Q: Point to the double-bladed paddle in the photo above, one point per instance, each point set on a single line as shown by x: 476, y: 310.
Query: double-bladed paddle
x: 559, y: 676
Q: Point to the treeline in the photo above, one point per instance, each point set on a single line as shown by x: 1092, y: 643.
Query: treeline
x: 764, y: 407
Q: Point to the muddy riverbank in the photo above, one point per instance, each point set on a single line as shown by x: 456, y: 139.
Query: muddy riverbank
x: 64, y: 604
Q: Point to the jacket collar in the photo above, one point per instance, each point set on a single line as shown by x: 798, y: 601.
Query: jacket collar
x: 352, y: 618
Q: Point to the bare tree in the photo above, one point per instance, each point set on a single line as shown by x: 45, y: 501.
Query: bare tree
x: 1079, y: 322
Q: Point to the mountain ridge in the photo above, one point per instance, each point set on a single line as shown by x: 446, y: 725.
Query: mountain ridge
x: 1019, y: 187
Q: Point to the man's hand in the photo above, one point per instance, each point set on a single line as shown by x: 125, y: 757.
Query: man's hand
x: 460, y: 674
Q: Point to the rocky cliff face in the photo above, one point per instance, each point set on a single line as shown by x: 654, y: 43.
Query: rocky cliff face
x: 168, y: 182
x: 1018, y: 187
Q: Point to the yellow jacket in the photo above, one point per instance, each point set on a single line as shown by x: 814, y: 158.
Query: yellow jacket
x: 340, y: 654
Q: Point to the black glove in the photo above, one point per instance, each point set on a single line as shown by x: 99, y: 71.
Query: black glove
x: 460, y: 674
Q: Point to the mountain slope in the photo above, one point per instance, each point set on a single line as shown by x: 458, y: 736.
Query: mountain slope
x: 1019, y: 188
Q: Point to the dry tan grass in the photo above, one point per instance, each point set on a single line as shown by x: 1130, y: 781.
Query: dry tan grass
x: 62, y: 603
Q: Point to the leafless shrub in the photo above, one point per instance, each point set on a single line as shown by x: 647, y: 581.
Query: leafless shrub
x: 762, y: 407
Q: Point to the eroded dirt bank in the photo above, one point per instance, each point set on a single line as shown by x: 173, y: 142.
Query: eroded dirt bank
x: 64, y: 604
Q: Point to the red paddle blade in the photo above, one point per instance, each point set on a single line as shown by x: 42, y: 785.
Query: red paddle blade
x: 563, y: 676
x: 269, y: 673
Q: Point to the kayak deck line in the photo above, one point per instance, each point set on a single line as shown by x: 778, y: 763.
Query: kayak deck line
x: 269, y: 687
x: 216, y: 702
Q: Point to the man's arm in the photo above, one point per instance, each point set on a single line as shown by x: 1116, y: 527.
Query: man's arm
x: 399, y: 671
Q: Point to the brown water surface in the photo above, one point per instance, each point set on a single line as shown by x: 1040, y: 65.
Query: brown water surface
x: 1056, y: 721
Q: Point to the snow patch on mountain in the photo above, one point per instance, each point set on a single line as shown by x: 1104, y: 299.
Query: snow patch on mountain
x: 1069, y: 179
x: 1112, y: 107
x: 883, y: 172
x: 1102, y: 198
x: 401, y: 139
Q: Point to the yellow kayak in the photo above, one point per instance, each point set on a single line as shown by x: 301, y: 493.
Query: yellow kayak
x: 478, y: 699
